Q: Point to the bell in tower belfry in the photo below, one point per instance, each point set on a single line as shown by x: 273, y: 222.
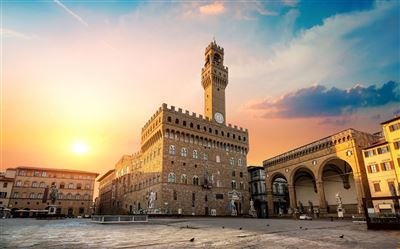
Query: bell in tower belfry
x: 214, y: 79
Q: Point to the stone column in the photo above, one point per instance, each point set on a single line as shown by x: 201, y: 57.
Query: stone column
x: 292, y: 196
x: 321, y: 195
x: 270, y: 202
x: 359, y: 191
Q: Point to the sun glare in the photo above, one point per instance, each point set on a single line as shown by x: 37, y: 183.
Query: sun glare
x: 80, y: 147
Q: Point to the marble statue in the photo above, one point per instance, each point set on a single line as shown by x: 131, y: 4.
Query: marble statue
x: 233, y: 207
x: 152, y: 199
x: 252, y: 211
x: 340, y: 209
x: 53, y: 194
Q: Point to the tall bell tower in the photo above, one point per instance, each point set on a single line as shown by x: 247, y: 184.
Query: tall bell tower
x: 214, y: 79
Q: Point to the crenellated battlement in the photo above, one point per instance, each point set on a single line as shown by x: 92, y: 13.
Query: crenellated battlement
x: 215, y: 46
x: 188, y: 114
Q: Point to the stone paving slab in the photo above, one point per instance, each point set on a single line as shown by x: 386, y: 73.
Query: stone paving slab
x: 207, y: 233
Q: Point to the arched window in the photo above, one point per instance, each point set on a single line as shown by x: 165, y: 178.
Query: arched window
x: 79, y: 186
x: 184, y: 152
x: 172, y: 150
x: 195, y: 180
x: 184, y: 179
x: 42, y: 185
x: 77, y: 197
x: 240, y: 162
x: 87, y: 186
x: 171, y: 177
x: 241, y: 185
x: 86, y: 197
x: 39, y: 195
x: 176, y: 121
x: 233, y: 184
x: 217, y: 159
x: 195, y: 154
x: 232, y: 161
x: 60, y: 196
x: 169, y: 119
x: 69, y: 196
x: 34, y: 184
x: 71, y: 185
x: 32, y: 195
x: 18, y: 184
x: 205, y: 156
x: 62, y: 185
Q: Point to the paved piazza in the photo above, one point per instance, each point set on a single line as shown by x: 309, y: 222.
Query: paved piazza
x: 208, y: 233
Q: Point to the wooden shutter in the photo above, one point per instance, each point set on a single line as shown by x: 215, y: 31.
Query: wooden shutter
x: 369, y: 169
x: 377, y: 167
x: 383, y: 166
x: 391, y: 165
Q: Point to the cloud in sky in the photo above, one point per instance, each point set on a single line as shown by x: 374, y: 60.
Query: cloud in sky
x: 69, y: 11
x: 291, y: 3
x: 345, y: 48
x: 319, y: 101
x: 8, y: 33
x: 212, y: 9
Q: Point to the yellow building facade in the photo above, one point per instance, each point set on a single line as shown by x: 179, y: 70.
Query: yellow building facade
x: 382, y: 166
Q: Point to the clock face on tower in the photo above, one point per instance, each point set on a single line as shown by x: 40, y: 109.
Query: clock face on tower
x: 219, y: 118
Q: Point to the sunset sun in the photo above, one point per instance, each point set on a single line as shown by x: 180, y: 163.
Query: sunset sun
x: 80, y: 147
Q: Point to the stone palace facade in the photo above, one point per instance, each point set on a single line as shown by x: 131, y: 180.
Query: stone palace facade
x: 195, y: 164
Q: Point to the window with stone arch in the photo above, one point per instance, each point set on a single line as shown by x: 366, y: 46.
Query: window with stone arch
x: 171, y: 177
x: 34, y: 184
x: 69, y: 196
x: 86, y: 197
x: 195, y: 154
x: 195, y: 180
x: 217, y: 158
x: 232, y: 161
x: 172, y: 150
x: 39, y: 196
x: 42, y: 185
x: 205, y: 156
x: 71, y: 185
x: 233, y: 184
x: 184, y: 179
x: 77, y: 197
x: 184, y: 152
x: 240, y: 162
x: 241, y: 184
x: 32, y: 195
